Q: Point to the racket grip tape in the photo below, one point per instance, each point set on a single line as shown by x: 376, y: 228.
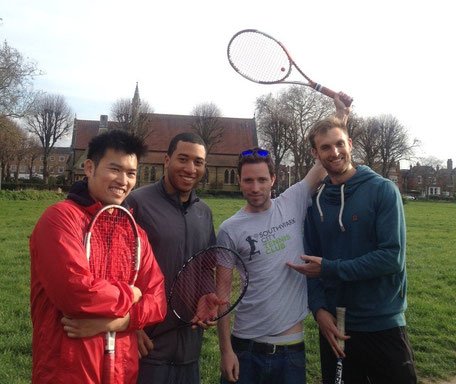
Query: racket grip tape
x: 330, y: 93
x: 340, y: 320
x: 108, y: 376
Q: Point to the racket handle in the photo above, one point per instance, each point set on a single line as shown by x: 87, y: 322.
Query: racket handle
x: 108, y: 368
x: 330, y: 93
x: 340, y: 319
x: 338, y: 377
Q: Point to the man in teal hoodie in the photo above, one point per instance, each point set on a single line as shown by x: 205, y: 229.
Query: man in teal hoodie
x: 355, y: 232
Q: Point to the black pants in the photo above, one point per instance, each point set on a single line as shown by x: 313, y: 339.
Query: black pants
x: 383, y: 357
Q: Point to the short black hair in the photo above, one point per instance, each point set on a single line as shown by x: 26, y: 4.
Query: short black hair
x: 186, y: 137
x: 117, y: 140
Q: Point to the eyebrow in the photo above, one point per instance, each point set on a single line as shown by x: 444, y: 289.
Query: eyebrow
x: 113, y: 164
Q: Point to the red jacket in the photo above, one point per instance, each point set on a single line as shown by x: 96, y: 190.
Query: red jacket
x: 61, y: 283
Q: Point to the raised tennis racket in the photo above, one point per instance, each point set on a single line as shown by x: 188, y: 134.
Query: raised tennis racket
x: 340, y: 320
x: 198, y: 292
x: 113, y: 250
x: 262, y: 59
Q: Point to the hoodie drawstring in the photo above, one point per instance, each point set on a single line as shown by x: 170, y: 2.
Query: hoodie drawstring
x: 342, y: 205
x: 318, y: 202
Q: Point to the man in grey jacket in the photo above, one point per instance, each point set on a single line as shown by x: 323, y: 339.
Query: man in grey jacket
x: 178, y: 224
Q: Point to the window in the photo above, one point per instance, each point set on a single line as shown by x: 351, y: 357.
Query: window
x: 146, y: 174
x: 60, y: 169
x: 52, y: 158
x: 61, y: 158
x: 153, y: 174
x: 229, y: 176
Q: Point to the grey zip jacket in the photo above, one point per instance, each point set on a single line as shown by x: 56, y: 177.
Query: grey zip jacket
x: 175, y: 231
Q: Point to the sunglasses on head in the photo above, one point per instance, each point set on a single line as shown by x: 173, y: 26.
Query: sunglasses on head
x: 254, y: 152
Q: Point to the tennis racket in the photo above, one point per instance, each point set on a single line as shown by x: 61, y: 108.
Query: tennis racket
x: 113, y: 250
x: 197, y: 293
x: 262, y: 59
x: 340, y: 320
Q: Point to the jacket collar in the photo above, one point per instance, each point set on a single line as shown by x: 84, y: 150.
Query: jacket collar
x: 174, y: 198
x: 79, y: 193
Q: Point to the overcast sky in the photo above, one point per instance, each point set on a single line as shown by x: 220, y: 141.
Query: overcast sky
x: 392, y: 56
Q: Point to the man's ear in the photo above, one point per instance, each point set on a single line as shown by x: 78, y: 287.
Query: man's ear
x: 314, y: 153
x: 89, y: 167
x: 273, y: 179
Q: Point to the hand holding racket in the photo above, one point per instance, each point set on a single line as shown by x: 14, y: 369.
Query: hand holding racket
x: 113, y: 250
x: 340, y: 319
x: 197, y: 296
x: 262, y: 59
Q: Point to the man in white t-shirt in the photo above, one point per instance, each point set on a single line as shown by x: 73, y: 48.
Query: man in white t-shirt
x: 266, y: 344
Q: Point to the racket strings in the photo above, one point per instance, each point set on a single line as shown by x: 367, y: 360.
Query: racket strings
x: 112, y: 248
x: 197, y: 291
x: 259, y: 57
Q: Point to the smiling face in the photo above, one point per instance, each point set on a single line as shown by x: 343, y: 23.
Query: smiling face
x: 112, y: 179
x: 256, y: 183
x: 333, y: 148
x: 185, y: 168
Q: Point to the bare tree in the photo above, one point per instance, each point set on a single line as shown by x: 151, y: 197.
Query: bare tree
x: 393, y: 143
x: 367, y: 143
x: 132, y: 116
x: 16, y: 82
x: 10, y: 140
x: 50, y: 120
x: 304, y: 107
x: 207, y: 124
x: 33, y: 152
x: 274, y: 123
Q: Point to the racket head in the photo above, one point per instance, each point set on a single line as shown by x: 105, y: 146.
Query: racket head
x: 113, y: 246
x: 198, y: 284
x: 259, y: 57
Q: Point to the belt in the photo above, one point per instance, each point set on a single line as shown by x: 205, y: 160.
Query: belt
x: 264, y: 348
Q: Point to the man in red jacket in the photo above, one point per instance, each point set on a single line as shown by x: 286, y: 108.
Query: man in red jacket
x: 71, y: 310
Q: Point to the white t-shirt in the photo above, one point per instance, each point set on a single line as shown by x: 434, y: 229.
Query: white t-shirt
x: 276, y: 298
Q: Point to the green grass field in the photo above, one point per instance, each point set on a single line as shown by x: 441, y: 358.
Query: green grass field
x: 431, y: 230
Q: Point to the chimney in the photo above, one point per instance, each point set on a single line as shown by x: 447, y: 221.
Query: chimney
x: 103, y: 127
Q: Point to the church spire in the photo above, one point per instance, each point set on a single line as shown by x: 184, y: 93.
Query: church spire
x: 135, y: 106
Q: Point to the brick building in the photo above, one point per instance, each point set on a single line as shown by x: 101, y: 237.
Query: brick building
x: 427, y: 181
x: 238, y: 134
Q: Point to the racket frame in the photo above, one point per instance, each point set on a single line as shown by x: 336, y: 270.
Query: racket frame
x: 110, y: 337
x: 310, y: 83
x: 231, y: 306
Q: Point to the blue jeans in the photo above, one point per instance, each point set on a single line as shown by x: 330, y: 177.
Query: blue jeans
x: 286, y: 366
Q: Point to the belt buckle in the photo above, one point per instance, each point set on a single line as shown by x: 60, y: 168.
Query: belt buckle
x: 274, y: 349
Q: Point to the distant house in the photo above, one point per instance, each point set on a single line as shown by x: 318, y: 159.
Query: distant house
x: 238, y: 135
x: 32, y: 164
x: 425, y: 181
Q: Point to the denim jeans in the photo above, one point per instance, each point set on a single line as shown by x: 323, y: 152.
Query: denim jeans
x: 284, y: 367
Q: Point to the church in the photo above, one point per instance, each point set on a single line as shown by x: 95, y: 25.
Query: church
x: 237, y: 134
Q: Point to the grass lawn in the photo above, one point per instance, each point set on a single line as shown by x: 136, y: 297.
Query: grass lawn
x: 431, y: 263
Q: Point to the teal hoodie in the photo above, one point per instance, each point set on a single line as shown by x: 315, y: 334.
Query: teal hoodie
x: 359, y: 230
